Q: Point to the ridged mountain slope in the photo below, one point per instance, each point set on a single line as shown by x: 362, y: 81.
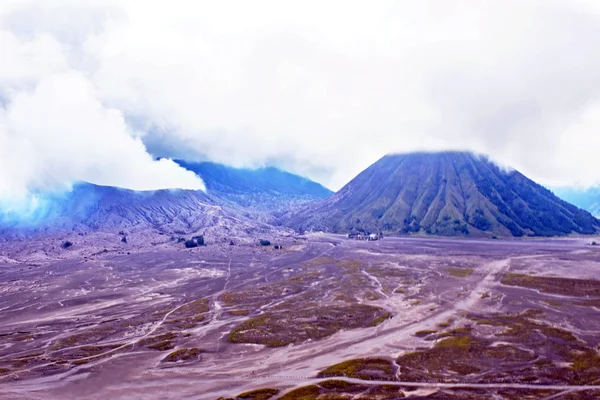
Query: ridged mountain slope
x: 266, y: 189
x: 237, y: 200
x: 445, y: 193
x: 109, y: 209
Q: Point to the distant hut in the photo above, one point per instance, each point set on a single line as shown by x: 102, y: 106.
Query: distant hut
x: 373, y: 236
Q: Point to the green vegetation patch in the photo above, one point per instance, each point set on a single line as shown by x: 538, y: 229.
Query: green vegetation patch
x: 387, y: 272
x: 185, y: 322
x: 349, y: 264
x: 161, y: 346
x: 582, y: 395
x: 259, y: 394
x: 239, y: 313
x: 189, y: 315
x: 563, y: 286
x: 552, y: 303
x: 311, y: 392
x: 266, y: 293
x: 460, y: 354
x: 524, y: 350
x: 20, y: 363
x: 276, y: 329
x: 446, y: 324
x: 339, y: 385
x: 24, y: 337
x: 160, y: 342
x: 183, y: 355
x: 371, y: 296
x: 425, y: 332
x: 199, y: 306
x: 459, y: 272
x: 380, y: 319
x: 101, y: 332
x: 335, y: 389
x: 94, y: 335
x: 85, y: 351
x: 362, y: 368
x: 461, y: 331
x: 34, y: 354
x: 588, y: 303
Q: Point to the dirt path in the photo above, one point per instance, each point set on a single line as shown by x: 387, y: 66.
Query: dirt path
x: 302, y: 381
x: 310, y: 381
x: 106, y: 353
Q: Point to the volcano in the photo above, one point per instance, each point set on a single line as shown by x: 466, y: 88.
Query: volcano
x: 444, y: 193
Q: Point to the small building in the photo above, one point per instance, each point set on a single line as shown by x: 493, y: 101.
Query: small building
x: 373, y: 236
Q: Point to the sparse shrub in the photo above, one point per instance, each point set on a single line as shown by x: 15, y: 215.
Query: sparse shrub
x: 183, y: 355
x: 180, y: 240
x: 67, y: 244
x: 199, y: 240
x: 594, y: 243
x: 277, y: 247
x: 259, y: 394
x: 124, y: 239
x: 264, y: 242
x: 162, y: 346
x: 460, y: 272
x: 231, y: 243
x: 361, y: 368
x: 425, y: 332
x: 190, y: 244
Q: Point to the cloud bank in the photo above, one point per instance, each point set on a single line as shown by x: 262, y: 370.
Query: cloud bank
x: 93, y: 91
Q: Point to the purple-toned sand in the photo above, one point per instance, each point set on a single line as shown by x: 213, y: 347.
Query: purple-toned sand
x: 323, y: 316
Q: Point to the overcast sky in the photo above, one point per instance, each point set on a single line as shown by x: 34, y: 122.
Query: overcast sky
x: 96, y: 90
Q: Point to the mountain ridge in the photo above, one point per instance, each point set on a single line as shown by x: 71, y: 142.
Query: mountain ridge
x: 265, y: 189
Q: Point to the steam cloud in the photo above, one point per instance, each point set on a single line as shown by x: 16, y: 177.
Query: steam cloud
x: 91, y: 92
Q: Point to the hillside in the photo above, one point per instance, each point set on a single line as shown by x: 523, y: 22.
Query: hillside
x: 265, y: 189
x: 446, y: 193
x: 237, y: 202
x: 90, y: 207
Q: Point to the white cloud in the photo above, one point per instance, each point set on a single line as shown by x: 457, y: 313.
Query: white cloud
x: 321, y: 88
x: 60, y: 133
x: 54, y: 130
